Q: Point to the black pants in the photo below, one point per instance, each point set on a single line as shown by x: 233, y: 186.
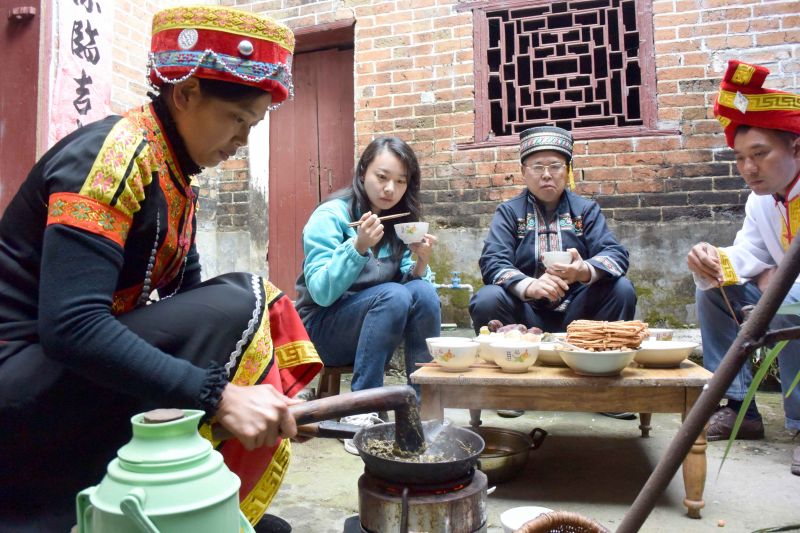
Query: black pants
x: 70, y: 428
x: 606, y: 299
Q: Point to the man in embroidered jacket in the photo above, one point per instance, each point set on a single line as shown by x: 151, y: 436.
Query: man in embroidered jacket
x: 547, y: 216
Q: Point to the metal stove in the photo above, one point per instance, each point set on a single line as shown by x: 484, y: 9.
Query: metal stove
x: 456, y: 506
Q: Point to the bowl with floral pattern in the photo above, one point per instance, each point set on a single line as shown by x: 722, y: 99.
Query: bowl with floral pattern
x: 514, y: 356
x: 455, y: 356
x: 411, y: 232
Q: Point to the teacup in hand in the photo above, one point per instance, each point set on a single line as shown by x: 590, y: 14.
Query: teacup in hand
x: 411, y: 232
x: 551, y: 258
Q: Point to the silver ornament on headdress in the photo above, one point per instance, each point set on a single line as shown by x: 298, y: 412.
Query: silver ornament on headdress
x: 246, y: 48
x: 187, y: 39
x: 152, y: 66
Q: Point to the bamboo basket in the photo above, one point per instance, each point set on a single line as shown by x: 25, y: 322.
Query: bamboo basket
x: 562, y: 522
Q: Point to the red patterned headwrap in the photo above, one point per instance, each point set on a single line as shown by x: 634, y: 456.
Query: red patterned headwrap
x: 742, y: 101
x: 225, y: 44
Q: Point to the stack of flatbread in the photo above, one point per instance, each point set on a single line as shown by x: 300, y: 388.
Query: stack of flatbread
x: 599, y: 335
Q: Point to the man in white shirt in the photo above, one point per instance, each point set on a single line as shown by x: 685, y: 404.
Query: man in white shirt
x: 763, y: 128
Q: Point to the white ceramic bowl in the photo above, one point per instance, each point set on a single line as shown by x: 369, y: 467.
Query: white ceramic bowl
x: 514, y: 518
x: 514, y: 356
x: 548, y: 354
x: 663, y: 354
x: 586, y: 363
x: 484, y: 352
x: 660, y: 334
x: 430, y: 341
x: 410, y: 232
x: 456, y: 356
x: 551, y: 258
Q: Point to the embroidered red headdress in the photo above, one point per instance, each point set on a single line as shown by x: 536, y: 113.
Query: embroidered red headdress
x: 223, y: 44
x: 742, y: 101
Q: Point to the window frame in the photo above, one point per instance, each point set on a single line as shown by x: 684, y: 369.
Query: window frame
x: 480, y: 43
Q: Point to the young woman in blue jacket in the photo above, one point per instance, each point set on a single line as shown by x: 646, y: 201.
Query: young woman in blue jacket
x: 362, y: 292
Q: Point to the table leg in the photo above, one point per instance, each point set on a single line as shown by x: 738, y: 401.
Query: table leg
x: 475, y: 418
x: 694, y: 469
x: 431, y: 407
x: 644, y: 424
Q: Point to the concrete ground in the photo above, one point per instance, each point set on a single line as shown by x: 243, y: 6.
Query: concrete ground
x: 589, y: 464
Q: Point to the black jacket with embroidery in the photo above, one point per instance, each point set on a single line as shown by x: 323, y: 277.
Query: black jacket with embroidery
x: 75, y: 243
x: 519, y: 234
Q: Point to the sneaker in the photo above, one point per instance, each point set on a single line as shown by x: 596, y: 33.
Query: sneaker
x: 510, y: 413
x: 366, y: 420
x: 720, y: 426
x: 619, y: 416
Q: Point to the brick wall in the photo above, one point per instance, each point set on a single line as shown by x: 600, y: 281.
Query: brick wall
x: 414, y: 78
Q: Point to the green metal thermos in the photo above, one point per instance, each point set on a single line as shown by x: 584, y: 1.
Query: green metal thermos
x: 166, y: 479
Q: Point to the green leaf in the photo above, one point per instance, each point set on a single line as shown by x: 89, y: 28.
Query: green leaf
x: 793, y: 385
x: 751, y: 392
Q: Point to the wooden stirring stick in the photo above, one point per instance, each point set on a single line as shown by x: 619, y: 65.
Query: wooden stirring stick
x: 728, y: 303
x: 387, y: 217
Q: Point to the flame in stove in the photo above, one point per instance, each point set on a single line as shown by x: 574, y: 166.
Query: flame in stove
x: 418, y: 491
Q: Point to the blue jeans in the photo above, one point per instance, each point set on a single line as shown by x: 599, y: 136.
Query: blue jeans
x: 719, y: 330
x: 607, y: 299
x: 363, y: 329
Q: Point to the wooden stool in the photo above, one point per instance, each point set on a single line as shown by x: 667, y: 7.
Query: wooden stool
x: 330, y: 380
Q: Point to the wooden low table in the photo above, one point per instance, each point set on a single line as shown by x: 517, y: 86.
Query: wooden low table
x: 642, y: 390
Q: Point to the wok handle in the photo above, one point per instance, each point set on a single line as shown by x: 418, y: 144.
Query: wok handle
x: 354, y: 403
x: 537, y: 436
x: 350, y: 403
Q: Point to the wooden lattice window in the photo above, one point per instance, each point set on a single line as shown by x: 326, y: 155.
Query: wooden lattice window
x: 584, y: 65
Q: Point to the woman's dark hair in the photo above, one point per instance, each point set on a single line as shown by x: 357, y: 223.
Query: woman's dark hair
x: 357, y: 195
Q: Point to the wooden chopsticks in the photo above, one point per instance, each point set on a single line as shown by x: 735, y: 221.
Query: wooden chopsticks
x: 387, y: 217
x: 473, y: 365
x: 728, y: 303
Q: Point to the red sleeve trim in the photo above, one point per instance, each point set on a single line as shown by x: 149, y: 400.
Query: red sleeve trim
x: 88, y: 214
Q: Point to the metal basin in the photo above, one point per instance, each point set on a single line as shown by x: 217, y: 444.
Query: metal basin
x: 505, y: 453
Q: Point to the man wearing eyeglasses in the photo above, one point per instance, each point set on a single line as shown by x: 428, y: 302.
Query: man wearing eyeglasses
x: 547, y: 216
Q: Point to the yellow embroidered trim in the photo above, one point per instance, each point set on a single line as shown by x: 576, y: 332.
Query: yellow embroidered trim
x: 729, y: 276
x: 297, y: 353
x: 743, y: 74
x: 88, y: 214
x: 762, y: 102
x: 255, y: 504
x: 110, y: 167
x: 256, y: 357
x: 725, y: 121
x: 224, y: 19
x: 271, y: 291
x: 794, y: 222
